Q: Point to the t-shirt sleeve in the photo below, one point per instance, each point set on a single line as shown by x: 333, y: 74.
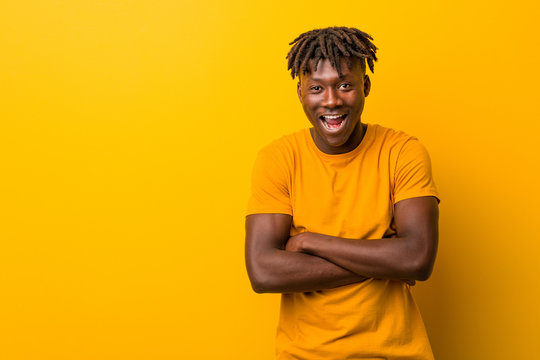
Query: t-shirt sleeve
x: 270, y: 184
x: 413, y: 177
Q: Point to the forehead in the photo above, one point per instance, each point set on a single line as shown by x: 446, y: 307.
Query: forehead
x: 325, y: 70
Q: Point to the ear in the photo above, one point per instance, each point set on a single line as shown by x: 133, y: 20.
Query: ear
x: 299, y: 91
x: 367, y: 85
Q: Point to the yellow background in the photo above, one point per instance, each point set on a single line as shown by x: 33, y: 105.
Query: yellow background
x: 127, y: 135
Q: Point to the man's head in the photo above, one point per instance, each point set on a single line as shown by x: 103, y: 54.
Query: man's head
x: 331, y: 66
x: 333, y: 44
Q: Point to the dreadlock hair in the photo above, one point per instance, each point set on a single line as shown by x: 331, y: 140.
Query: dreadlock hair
x: 330, y: 43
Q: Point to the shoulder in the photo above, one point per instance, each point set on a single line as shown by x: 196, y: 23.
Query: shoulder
x: 399, y: 146
x: 389, y: 137
x: 286, y: 147
x: 409, y: 164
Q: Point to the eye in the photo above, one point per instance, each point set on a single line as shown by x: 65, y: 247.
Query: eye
x: 345, y: 86
x: 315, y: 88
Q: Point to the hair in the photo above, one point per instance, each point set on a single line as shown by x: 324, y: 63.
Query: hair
x: 330, y: 43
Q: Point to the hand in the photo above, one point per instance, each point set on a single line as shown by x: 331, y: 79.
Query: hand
x: 295, y: 243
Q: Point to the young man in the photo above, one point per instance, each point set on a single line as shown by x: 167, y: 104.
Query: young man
x: 343, y: 217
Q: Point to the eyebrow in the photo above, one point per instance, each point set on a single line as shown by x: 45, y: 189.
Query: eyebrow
x: 319, y: 79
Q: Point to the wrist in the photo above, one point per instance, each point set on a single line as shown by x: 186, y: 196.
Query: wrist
x: 309, y: 242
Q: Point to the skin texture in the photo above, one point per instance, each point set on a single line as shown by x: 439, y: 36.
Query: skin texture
x: 324, y: 92
x: 271, y: 268
x: 308, y: 261
x: 409, y: 255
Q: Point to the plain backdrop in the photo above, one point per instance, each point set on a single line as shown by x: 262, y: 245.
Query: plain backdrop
x: 127, y: 134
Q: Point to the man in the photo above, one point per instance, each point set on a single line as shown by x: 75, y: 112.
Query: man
x: 343, y: 217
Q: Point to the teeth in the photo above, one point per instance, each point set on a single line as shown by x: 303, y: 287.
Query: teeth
x: 332, y: 117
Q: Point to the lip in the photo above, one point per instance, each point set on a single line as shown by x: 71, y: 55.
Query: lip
x: 336, y: 130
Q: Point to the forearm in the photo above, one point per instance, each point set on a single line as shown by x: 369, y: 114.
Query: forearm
x: 281, y: 271
x: 392, y: 258
x: 410, y: 255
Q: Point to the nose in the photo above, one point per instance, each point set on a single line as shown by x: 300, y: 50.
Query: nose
x: 332, y: 98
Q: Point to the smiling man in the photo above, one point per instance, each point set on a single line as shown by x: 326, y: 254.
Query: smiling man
x: 343, y: 216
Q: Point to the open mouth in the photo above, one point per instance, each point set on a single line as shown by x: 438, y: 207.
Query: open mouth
x: 333, y: 122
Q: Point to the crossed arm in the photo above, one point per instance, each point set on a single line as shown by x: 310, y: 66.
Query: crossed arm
x: 309, y: 261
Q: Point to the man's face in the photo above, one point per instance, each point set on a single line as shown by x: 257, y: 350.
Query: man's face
x: 334, y: 105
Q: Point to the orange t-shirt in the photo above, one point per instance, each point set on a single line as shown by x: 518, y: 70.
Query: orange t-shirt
x: 349, y: 195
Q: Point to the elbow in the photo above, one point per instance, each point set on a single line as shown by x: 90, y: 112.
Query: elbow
x: 259, y: 278
x: 263, y: 273
x: 260, y: 285
x: 422, y: 259
x: 423, y: 273
x: 416, y: 272
x: 421, y: 268
x: 256, y: 281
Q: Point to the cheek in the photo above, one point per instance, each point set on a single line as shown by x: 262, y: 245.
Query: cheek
x: 309, y: 107
x: 357, y: 103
